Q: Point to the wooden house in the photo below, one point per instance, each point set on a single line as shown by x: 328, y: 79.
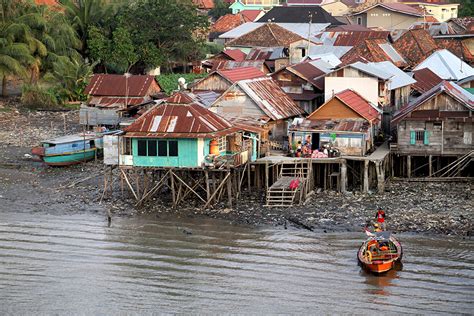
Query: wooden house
x: 262, y: 102
x: 220, y: 80
x: 347, y: 122
x: 438, y: 123
x: 185, y: 136
x: 304, y: 83
x: 109, y: 94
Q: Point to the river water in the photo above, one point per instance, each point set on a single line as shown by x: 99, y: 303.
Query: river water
x: 75, y: 264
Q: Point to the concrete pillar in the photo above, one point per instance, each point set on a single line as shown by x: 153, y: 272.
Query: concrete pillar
x: 343, y: 176
x: 366, y: 176
x: 408, y: 166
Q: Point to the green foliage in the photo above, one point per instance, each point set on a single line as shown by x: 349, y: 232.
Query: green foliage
x: 466, y: 8
x: 169, y: 82
x: 33, y: 96
x: 69, y: 78
x: 221, y: 8
x: 213, y: 48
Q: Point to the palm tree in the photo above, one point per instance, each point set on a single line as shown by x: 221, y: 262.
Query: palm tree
x: 86, y: 13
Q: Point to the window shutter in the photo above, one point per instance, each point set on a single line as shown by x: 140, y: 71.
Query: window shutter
x: 426, y: 140
x: 412, y: 138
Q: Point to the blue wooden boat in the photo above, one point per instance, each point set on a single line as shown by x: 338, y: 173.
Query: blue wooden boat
x: 69, y: 150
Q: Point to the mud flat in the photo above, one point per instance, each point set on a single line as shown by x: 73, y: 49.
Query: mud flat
x: 27, y: 186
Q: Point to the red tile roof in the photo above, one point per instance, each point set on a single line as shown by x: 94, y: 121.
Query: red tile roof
x: 251, y: 15
x: 235, y: 54
x: 170, y: 120
x: 425, y: 80
x: 355, y: 37
x: 242, y: 73
x: 267, y: 35
x: 415, y: 46
x: 117, y: 85
x: 357, y: 103
x: 228, y: 22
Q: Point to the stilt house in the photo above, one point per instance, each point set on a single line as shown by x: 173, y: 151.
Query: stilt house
x: 185, y: 135
x: 347, y: 122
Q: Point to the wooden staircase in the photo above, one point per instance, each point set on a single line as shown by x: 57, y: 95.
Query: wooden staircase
x: 279, y: 193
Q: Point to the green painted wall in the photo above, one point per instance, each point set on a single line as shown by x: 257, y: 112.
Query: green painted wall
x: 187, y: 155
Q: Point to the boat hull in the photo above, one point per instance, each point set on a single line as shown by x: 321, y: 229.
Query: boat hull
x: 71, y: 158
x: 380, y: 265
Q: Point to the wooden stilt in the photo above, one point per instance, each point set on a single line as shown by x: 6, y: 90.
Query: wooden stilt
x: 129, y: 184
x: 408, y: 166
x: 430, y: 165
x: 229, y: 189
x: 343, y: 176
x: 221, y: 184
x: 248, y: 176
x: 366, y: 176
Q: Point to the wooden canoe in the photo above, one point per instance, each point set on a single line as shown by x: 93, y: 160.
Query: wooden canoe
x: 380, y: 253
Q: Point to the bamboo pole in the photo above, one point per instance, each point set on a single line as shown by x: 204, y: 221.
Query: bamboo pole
x: 215, y: 192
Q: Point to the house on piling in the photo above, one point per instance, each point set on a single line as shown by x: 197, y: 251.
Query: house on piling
x: 438, y: 125
x: 347, y: 122
x: 185, y: 135
x: 110, y: 95
x: 263, y: 102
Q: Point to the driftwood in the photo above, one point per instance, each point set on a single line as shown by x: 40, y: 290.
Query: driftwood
x: 298, y: 223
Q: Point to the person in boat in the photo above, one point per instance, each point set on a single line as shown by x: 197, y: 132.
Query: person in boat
x: 380, y: 217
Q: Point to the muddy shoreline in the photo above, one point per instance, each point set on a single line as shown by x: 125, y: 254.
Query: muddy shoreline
x: 27, y: 186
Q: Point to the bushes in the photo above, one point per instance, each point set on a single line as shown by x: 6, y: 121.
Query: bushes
x: 36, y: 97
x: 169, y: 82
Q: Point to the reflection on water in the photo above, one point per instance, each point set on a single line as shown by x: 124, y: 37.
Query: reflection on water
x: 76, y: 264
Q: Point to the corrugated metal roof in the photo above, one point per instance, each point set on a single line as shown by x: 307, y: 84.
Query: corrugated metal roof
x: 310, y: 71
x: 357, y: 103
x: 116, y: 85
x: 115, y: 102
x: 398, y: 78
x: 170, y: 120
x: 392, y: 53
x: 235, y: 54
x: 368, y: 68
x: 450, y: 88
x: 316, y: 50
x: 270, y: 98
x: 425, y: 80
x: 229, y: 64
x: 415, y: 45
x: 372, y: 51
x: 241, y: 73
x: 446, y: 65
x: 346, y: 125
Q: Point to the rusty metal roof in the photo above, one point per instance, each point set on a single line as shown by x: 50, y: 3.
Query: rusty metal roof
x: 450, y: 88
x: 425, y: 80
x: 376, y: 50
x: 169, y: 120
x: 115, y: 102
x: 229, y: 64
x: 415, y: 46
x: 310, y: 72
x: 266, y: 35
x: 344, y: 125
x: 117, y: 85
x: 270, y: 98
x: 457, y: 47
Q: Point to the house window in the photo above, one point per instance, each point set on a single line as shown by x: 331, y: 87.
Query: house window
x: 142, y: 150
x: 303, y: 52
x: 437, y: 126
x: 222, y: 143
x: 173, y: 148
x: 152, y: 148
x: 359, y: 20
x: 162, y: 148
x: 419, y: 137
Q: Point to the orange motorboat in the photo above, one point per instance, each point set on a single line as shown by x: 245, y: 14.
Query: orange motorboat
x: 380, y: 252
